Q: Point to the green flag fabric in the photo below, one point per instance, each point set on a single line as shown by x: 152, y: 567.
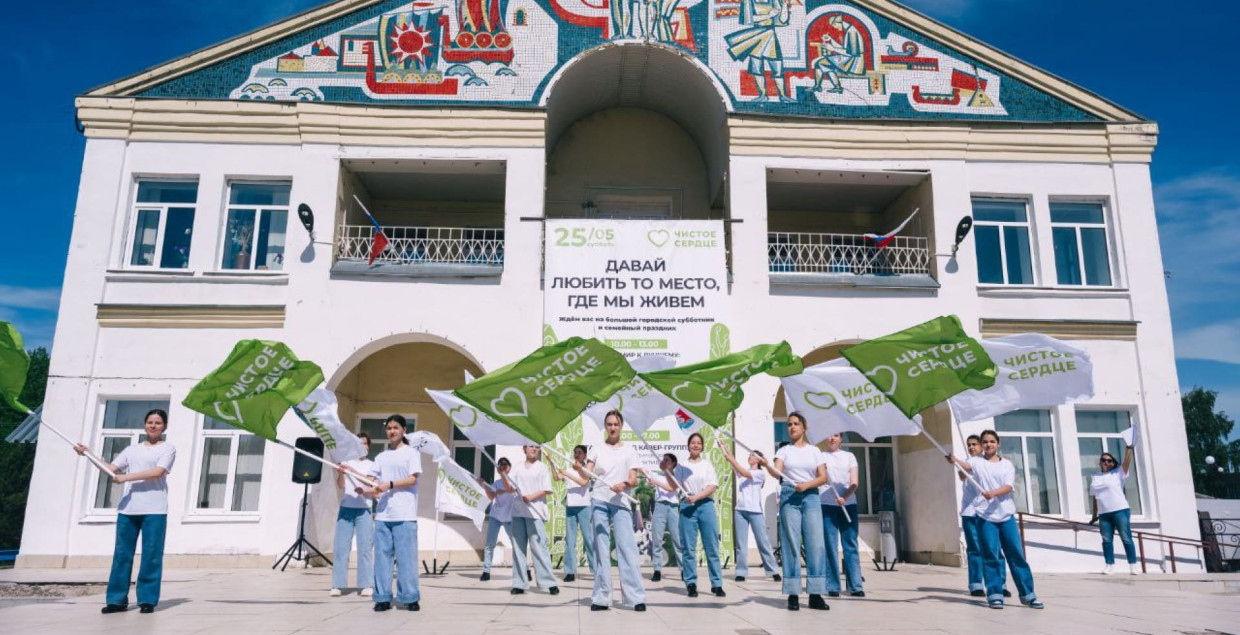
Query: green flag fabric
x: 712, y: 389
x: 255, y: 386
x: 14, y: 364
x: 542, y: 393
x: 924, y: 365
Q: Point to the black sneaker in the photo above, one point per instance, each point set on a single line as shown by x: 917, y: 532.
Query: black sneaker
x: 114, y: 608
x: 833, y: 594
x: 857, y: 594
x: 794, y: 603
x: 383, y: 606
x: 413, y: 606
x: 658, y: 575
x: 640, y: 608
x: 1007, y: 593
x: 692, y: 590
x: 486, y: 576
x: 817, y: 603
x: 529, y: 575
x: 740, y: 578
x: 778, y: 578
x: 555, y: 590
x: 146, y: 608
x: 978, y: 593
x: 516, y: 591
x: 568, y: 577
x: 718, y: 591
x: 599, y: 607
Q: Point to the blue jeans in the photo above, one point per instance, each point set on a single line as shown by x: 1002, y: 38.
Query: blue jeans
x: 800, y: 522
x: 531, y: 533
x: 839, y: 530
x: 152, y: 528
x: 700, y: 518
x: 973, y: 550
x: 351, y: 520
x: 666, y: 520
x: 578, y: 520
x: 1001, y: 541
x: 493, y: 527
x: 399, y: 539
x: 605, y: 521
x: 743, y: 521
x: 1108, y: 523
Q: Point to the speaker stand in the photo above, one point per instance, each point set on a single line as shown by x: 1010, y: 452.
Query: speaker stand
x: 302, y: 548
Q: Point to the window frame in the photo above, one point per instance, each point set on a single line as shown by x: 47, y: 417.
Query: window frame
x: 1137, y: 469
x: 1076, y: 228
x: 863, y: 467
x: 1056, y: 461
x: 136, y: 209
x: 1030, y: 232
x: 101, y: 434
x: 258, y: 210
x: 202, y: 435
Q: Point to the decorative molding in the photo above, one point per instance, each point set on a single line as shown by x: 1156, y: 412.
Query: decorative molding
x: 189, y: 316
x: 1124, y: 331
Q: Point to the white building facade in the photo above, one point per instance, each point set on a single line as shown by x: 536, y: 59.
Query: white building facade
x: 187, y: 239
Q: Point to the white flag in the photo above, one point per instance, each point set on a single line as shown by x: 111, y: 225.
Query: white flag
x: 318, y: 410
x: 458, y: 493
x: 835, y: 398
x: 1132, y: 437
x: 638, y: 401
x: 1035, y: 371
x: 481, y: 429
x: 429, y: 444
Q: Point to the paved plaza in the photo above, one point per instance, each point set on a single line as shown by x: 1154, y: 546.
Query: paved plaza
x: 915, y: 599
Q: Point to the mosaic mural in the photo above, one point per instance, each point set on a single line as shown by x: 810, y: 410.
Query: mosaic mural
x: 796, y: 57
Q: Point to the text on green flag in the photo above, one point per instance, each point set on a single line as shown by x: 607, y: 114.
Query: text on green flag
x: 712, y: 389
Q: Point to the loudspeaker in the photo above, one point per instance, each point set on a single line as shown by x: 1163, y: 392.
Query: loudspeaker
x: 307, y: 471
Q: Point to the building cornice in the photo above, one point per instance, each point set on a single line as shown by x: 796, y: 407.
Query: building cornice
x: 189, y: 316
x: 1125, y: 331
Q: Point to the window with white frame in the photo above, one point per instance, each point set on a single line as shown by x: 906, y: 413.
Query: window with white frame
x: 231, y: 473
x: 876, y: 477
x: 1001, y: 231
x: 255, y: 225
x: 375, y: 429
x: 1027, y: 440
x: 163, y: 224
x: 466, y: 455
x: 1098, y: 431
x: 1079, y: 231
x: 123, y: 426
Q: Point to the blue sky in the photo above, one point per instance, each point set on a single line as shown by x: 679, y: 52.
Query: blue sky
x: 1141, y: 54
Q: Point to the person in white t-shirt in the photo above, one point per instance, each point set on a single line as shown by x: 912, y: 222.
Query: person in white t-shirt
x: 576, y: 514
x: 612, y: 466
x: 354, y: 517
x: 699, y: 480
x: 1111, y: 511
x: 529, y: 517
x: 839, y: 517
x: 970, y: 502
x: 800, y: 466
x: 1000, y: 534
x: 397, y: 471
x: 143, y: 511
x: 666, y: 513
x: 749, y: 514
x: 503, y: 497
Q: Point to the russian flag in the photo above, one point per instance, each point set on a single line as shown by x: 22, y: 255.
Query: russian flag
x: 881, y: 242
x: 379, y: 241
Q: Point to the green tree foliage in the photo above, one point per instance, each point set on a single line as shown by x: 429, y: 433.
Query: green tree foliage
x: 17, y: 459
x: 1208, y: 432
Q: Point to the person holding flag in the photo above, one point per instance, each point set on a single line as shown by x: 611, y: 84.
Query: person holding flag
x: 698, y: 516
x: 749, y: 514
x: 577, y: 514
x: 529, y: 515
x: 613, y: 461
x: 666, y: 514
x: 142, y: 512
x: 1111, y: 512
x: 1000, y: 535
x: 800, y: 515
x: 839, y: 517
x: 397, y: 470
x: 354, y: 518
x: 503, y: 496
x: 971, y: 504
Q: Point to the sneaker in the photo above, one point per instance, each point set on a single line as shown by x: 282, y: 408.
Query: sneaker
x: 857, y: 594
x: 1033, y: 604
x: 334, y: 593
x: 817, y: 603
x: 658, y: 575
x: 1108, y: 570
x: 640, y: 608
x: 740, y: 578
x: 516, y: 591
x: 1133, y: 570
x: 794, y: 603
x: 833, y: 594
x: 995, y: 604
x: 1007, y: 593
x: 599, y: 607
x: 383, y: 606
x: 486, y: 576
x: 718, y: 591
x: 114, y: 608
x: 367, y: 592
x: 977, y: 593
x: 146, y: 608
x: 691, y: 589
x: 529, y: 575
x: 569, y: 577
x: 413, y: 606
x: 778, y: 578
x: 555, y: 590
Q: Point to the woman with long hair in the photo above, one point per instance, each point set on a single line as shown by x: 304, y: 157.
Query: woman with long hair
x: 749, y: 514
x: 502, y: 496
x: 396, y: 519
x: 613, y: 462
x: 532, y: 481
x: 800, y: 515
x: 354, y: 518
x: 1111, y: 511
x: 839, y: 517
x: 698, y: 517
x: 576, y: 514
x: 665, y: 515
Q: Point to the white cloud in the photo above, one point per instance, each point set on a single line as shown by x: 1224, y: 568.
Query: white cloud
x: 1219, y: 342
x: 1199, y: 226
x: 29, y: 297
x: 36, y: 330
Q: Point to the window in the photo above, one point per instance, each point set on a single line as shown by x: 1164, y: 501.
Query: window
x: 232, y: 468
x: 1080, y: 234
x: 257, y: 220
x: 163, y: 224
x: 1028, y: 442
x: 466, y: 455
x: 1002, y: 235
x: 1097, y: 432
x: 123, y: 425
x: 373, y: 427
x: 876, y: 478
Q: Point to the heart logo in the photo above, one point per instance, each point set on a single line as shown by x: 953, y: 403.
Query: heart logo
x: 463, y: 416
x: 874, y: 374
x: 820, y: 400
x: 619, y: 402
x: 678, y: 390
x: 510, y: 403
x: 658, y: 237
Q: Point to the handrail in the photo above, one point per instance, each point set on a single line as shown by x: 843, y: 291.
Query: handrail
x: 1139, y: 537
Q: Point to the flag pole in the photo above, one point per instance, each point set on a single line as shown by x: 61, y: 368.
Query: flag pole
x: 90, y: 456
x: 681, y: 492
x: 301, y: 415
x: 946, y: 452
x: 593, y: 477
x: 774, y: 469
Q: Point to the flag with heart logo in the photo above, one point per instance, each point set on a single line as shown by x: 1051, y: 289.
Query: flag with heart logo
x: 1035, y: 371
x: 712, y: 389
x: 318, y: 410
x: 924, y: 365
x: 638, y: 401
x: 546, y: 390
x: 835, y: 398
x: 481, y: 429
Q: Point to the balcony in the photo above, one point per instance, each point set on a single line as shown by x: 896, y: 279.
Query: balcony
x: 848, y: 260
x: 424, y: 251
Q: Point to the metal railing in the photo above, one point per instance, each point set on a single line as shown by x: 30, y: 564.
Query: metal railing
x: 423, y: 245
x: 789, y: 252
x: 1138, y: 537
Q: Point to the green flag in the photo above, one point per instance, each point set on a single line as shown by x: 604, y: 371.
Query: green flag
x: 924, y: 365
x: 712, y: 389
x: 255, y: 386
x: 542, y: 393
x: 14, y: 362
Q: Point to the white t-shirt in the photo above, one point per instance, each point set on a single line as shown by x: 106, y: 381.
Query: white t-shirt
x: 150, y: 496
x: 400, y: 504
x: 349, y: 498
x: 576, y: 495
x: 501, y: 507
x: 612, y: 464
x: 530, y: 479
x: 1108, y: 489
x: 749, y: 491
x: 695, y: 477
x: 993, y: 476
x: 658, y: 480
x: 839, y: 477
x: 800, y: 464
x: 971, y: 501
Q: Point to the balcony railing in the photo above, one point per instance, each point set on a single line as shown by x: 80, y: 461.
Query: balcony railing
x: 846, y: 254
x: 423, y: 245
